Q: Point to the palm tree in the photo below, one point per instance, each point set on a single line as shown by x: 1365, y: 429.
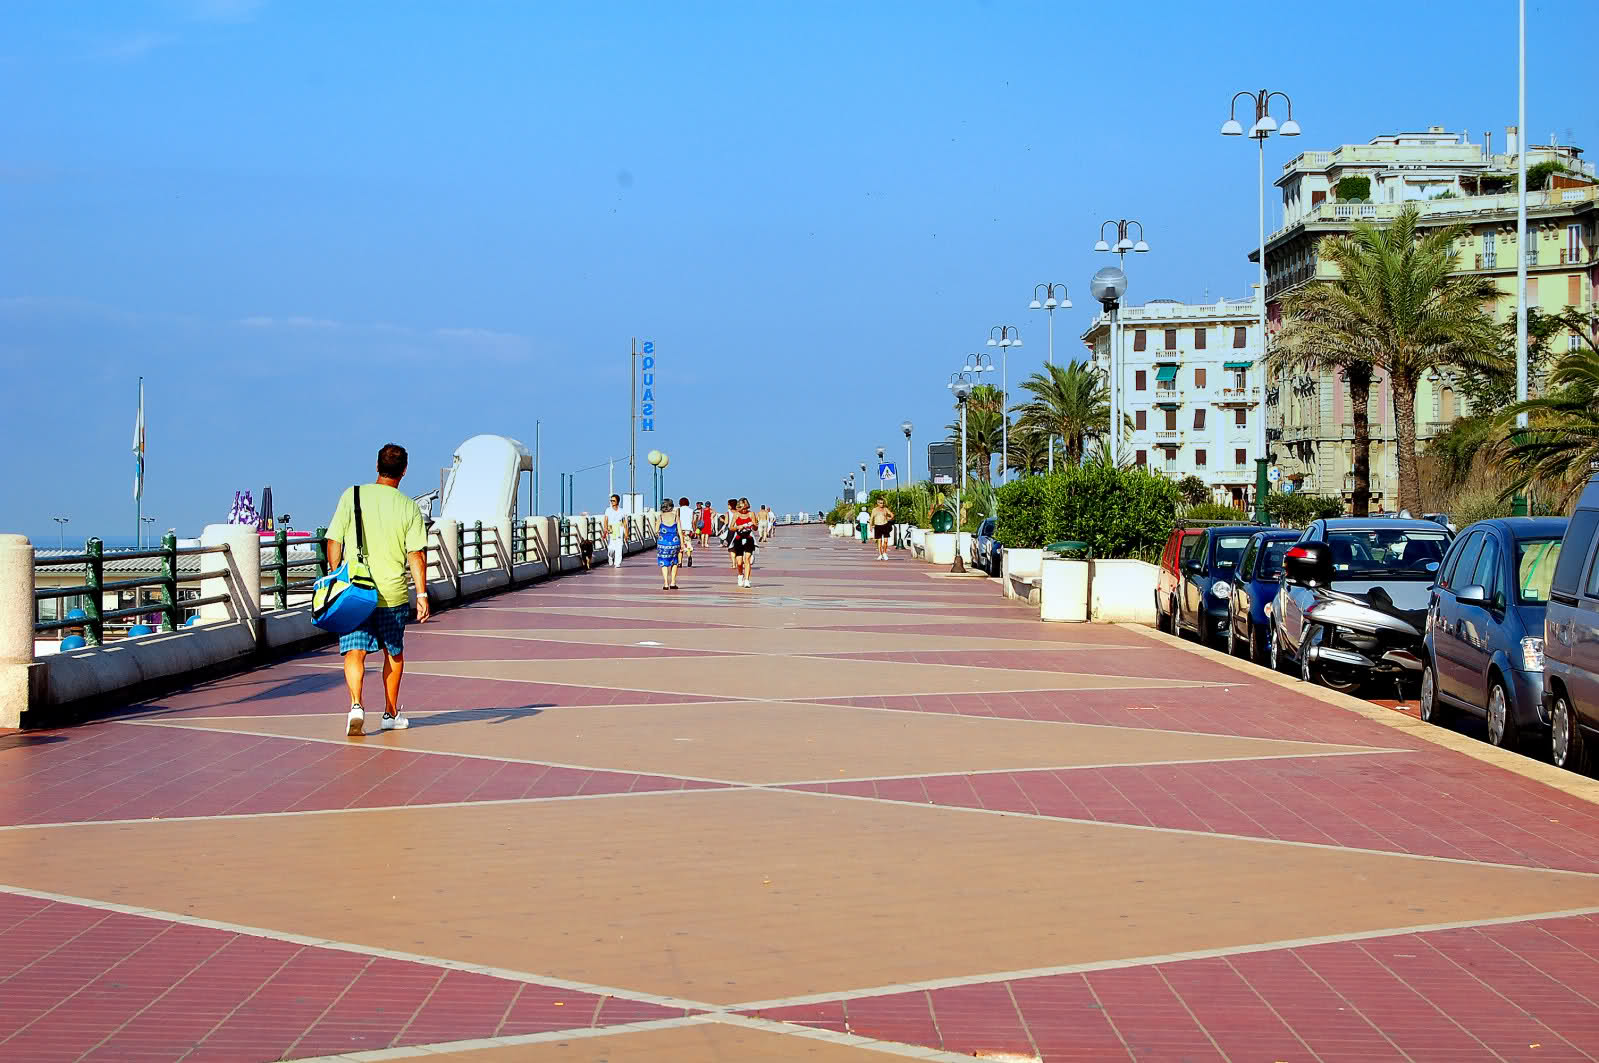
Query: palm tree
x: 1306, y: 345
x: 1069, y: 401
x: 983, y: 431
x: 1559, y: 450
x: 1397, y: 307
x: 1029, y: 449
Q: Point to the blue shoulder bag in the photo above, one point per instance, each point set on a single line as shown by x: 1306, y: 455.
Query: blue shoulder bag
x: 342, y: 600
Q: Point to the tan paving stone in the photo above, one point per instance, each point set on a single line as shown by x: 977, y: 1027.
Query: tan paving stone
x: 700, y: 1043
x: 755, y: 614
x: 783, y: 678
x: 736, y: 896
x: 769, y: 742
x: 790, y: 641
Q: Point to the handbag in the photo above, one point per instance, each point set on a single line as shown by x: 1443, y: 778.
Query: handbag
x: 342, y: 600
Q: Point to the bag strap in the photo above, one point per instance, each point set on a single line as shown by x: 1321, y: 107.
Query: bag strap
x: 360, y: 529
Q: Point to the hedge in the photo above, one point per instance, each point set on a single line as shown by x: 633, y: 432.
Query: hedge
x: 1118, y: 512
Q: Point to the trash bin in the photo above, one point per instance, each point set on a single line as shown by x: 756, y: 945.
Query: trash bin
x: 1063, y: 589
x: 943, y: 521
x: 1069, y: 548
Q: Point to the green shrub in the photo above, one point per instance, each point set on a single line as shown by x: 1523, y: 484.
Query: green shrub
x: 1213, y: 511
x: 1353, y: 190
x: 1299, y: 509
x: 1118, y: 512
x: 1193, y: 490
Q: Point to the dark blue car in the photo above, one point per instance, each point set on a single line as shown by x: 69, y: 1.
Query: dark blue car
x: 1205, y: 580
x: 1485, y: 626
x: 1254, y: 586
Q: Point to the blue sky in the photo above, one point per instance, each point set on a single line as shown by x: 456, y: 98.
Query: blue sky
x: 318, y: 227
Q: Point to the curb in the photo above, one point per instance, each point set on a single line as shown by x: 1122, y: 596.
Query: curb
x: 1567, y: 782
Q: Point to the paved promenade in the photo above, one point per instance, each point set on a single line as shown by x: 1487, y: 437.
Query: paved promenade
x: 862, y: 811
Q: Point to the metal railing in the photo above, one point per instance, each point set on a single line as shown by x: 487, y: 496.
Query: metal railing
x: 280, y: 566
x: 95, y: 585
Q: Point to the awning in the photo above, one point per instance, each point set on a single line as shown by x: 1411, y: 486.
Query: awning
x: 1166, y: 373
x: 1167, y: 405
x: 1238, y: 365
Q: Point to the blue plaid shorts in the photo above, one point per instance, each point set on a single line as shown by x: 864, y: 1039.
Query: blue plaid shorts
x: 384, y: 629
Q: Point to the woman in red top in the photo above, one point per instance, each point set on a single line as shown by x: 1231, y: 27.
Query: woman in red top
x: 743, y: 529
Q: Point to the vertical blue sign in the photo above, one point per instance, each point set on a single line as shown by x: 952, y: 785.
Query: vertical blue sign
x: 647, y: 403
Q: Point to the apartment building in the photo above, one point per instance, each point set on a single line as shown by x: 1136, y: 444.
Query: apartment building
x: 1309, y: 423
x: 1189, y: 383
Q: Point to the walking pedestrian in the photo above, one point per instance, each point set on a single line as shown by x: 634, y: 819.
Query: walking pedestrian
x: 395, y: 539
x: 743, y: 535
x: 615, y: 531
x: 668, y: 543
x: 724, y: 528
x: 688, y: 532
x: 882, y: 526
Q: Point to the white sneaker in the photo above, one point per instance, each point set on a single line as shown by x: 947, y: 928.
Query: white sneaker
x: 355, y: 722
x: 397, y: 722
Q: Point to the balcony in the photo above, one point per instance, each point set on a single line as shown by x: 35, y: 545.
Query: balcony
x: 1244, y: 396
x: 1569, y: 257
x: 1165, y: 393
x: 1164, y: 435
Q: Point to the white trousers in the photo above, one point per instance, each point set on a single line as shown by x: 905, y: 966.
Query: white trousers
x: 613, y: 549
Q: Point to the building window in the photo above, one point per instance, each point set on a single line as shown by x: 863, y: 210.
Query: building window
x: 1140, y: 380
x: 1532, y: 290
x: 1199, y: 459
x: 1240, y: 457
x: 1574, y: 288
x: 1573, y: 342
x: 1199, y: 339
x: 1199, y: 378
x: 1199, y: 419
x: 1141, y: 456
x: 1241, y: 417
x: 1489, y: 250
x: 1140, y: 420
x: 1573, y: 242
x: 1239, y: 336
x: 1140, y: 339
x: 1532, y: 249
x: 1171, y: 420
x: 1171, y: 339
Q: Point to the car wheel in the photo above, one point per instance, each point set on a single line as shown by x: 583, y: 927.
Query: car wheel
x: 1259, y: 650
x: 1162, y: 621
x: 1307, y: 673
x: 1277, y: 658
x: 1566, y: 746
x: 1501, y: 724
x: 1427, y: 704
x: 1232, y: 637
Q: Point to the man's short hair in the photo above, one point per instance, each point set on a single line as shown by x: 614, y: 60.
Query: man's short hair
x: 392, y: 461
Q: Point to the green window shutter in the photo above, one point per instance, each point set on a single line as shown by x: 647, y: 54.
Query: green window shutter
x: 1166, y: 374
x: 1238, y: 365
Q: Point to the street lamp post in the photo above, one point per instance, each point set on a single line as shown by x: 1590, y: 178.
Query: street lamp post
x: 1051, y: 302
x: 1124, y: 244
x: 1004, y: 337
x: 961, y: 384
x: 906, y: 426
x: 881, y: 483
x: 62, y: 522
x: 1263, y: 127
x: 1108, y: 286
x: 143, y: 521
x: 1519, y: 501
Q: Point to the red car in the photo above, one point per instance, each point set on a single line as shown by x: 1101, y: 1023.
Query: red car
x: 1179, y: 545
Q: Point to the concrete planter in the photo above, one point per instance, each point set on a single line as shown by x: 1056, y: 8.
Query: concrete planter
x: 1063, y: 590
x: 963, y: 545
x: 1016, y: 568
x: 940, y: 548
x: 918, y: 540
x: 1124, y: 592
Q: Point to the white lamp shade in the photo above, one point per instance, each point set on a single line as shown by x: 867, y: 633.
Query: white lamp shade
x: 1290, y: 128
x: 992, y: 342
x: 1015, y: 341
x: 1140, y: 246
x: 1049, y: 303
x: 1101, y: 246
x: 1264, y: 125
x: 1065, y: 304
x: 1231, y: 128
x: 1036, y: 305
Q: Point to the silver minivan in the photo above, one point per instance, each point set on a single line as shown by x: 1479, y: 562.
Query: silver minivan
x: 1571, y: 639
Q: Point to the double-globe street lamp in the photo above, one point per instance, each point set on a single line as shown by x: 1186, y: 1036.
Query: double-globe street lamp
x: 1263, y: 127
x: 906, y: 426
x: 1004, y: 337
x: 1124, y: 243
x: 961, y: 384
x: 1051, y: 302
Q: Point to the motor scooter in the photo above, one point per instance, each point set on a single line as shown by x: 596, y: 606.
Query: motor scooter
x: 1351, y: 638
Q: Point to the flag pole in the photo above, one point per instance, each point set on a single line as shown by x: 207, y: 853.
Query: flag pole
x: 138, y: 494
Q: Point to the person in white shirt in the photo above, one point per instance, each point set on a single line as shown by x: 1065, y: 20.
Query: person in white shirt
x: 615, y: 531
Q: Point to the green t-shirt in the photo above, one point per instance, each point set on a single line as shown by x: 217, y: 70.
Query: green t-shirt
x: 394, y: 528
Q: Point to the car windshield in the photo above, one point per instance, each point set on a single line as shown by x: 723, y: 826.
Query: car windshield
x: 1229, y: 548
x: 1271, y: 559
x: 1389, y: 553
x: 1535, y: 568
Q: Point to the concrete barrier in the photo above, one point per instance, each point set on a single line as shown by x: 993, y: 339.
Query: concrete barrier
x: 1020, y: 572
x: 918, y: 542
x: 1063, y: 590
x: 1123, y: 592
x: 940, y: 548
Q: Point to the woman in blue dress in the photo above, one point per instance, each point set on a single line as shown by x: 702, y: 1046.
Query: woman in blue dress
x: 668, y: 542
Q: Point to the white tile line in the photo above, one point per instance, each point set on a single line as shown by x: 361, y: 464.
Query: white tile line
x: 440, y: 962
x: 1144, y: 961
x: 383, y: 1055
x: 1188, y: 831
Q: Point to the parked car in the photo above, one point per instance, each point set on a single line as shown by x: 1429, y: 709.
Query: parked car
x: 1388, y: 563
x: 986, y: 549
x: 1571, y: 639
x: 1254, y: 586
x: 1484, y: 648
x: 1206, y: 584
x: 1179, y: 545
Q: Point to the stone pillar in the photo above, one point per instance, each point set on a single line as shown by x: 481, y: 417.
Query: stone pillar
x: 547, y: 529
x: 16, y: 627
x: 502, y: 545
x: 236, y: 573
x: 449, y: 564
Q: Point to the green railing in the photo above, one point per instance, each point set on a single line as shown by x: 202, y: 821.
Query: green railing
x: 280, y: 566
x: 95, y: 585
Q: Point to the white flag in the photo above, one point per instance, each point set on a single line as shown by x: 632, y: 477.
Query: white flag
x: 138, y: 447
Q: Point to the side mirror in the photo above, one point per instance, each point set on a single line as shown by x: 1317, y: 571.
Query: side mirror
x: 1193, y: 568
x: 1472, y: 594
x: 1308, y: 564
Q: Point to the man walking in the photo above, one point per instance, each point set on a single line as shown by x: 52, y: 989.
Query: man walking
x: 615, y: 531
x: 395, y: 539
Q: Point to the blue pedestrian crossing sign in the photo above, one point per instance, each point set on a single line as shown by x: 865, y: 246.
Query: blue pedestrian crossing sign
x: 885, y: 470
